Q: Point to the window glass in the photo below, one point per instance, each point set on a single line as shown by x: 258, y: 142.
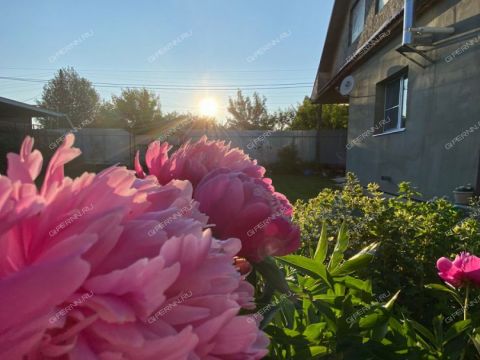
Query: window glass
x: 404, y: 100
x: 381, y: 4
x: 357, y: 18
x: 391, y: 119
x: 395, y: 105
x: 392, y: 93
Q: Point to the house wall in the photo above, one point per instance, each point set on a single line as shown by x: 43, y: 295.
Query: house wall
x: 443, y: 102
x: 373, y: 21
x: 15, y: 123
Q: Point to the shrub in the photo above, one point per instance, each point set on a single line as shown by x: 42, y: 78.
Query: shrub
x: 412, y: 234
x: 331, y: 312
x: 288, y: 160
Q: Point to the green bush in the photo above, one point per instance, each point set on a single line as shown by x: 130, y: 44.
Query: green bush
x: 288, y: 160
x: 412, y: 236
x: 330, y: 312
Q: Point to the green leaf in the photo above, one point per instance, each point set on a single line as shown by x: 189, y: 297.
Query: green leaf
x: 272, y: 274
x: 439, y: 287
x: 330, y: 299
x: 357, y: 284
x: 328, y: 314
x: 340, y: 247
x: 422, y: 330
x: 377, y: 318
x: 476, y: 341
x: 356, y: 262
x: 314, y: 332
x: 308, y: 266
x: 318, y: 350
x: 380, y: 331
x: 456, y: 329
x: 438, y: 330
x: 322, y: 245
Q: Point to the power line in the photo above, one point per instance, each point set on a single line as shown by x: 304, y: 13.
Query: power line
x: 296, y: 85
x: 169, y: 71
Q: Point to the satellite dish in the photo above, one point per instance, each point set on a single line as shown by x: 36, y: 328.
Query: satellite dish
x: 347, y: 85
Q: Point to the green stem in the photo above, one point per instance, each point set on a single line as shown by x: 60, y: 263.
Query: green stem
x: 465, y: 306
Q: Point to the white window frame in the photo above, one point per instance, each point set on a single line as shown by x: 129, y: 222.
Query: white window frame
x: 363, y: 10
x: 380, y: 5
x: 398, y: 128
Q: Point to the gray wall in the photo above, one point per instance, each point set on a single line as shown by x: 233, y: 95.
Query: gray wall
x: 443, y: 101
x: 98, y: 146
x: 111, y: 146
x: 373, y: 22
x: 264, y: 145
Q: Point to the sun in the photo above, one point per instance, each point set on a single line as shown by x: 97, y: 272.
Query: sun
x: 208, y: 107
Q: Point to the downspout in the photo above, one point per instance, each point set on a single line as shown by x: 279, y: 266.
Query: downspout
x: 408, y: 18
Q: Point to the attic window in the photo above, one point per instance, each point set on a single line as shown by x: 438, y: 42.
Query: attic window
x: 357, y: 19
x: 381, y: 4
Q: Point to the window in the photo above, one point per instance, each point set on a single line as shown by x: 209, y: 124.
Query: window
x: 394, y: 107
x: 357, y: 19
x: 381, y: 4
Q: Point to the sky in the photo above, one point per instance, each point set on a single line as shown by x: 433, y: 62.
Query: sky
x: 185, y: 51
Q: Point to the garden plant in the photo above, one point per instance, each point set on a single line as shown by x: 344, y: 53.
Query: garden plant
x: 194, y: 255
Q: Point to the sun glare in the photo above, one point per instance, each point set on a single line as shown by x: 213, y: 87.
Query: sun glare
x: 208, y: 107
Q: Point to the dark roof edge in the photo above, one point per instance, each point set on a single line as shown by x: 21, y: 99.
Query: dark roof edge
x: 338, y: 6
x: 361, y: 54
x: 391, y: 24
x: 33, y: 108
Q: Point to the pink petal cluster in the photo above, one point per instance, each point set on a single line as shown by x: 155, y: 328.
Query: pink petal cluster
x: 193, y: 162
x: 232, y: 191
x: 83, y: 276
x: 465, y: 269
x: 244, y: 207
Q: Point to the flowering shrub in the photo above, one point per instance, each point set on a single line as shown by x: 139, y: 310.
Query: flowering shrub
x: 171, y: 293
x: 232, y: 191
x: 463, y: 271
x: 334, y: 312
x: 412, y: 234
x: 125, y: 265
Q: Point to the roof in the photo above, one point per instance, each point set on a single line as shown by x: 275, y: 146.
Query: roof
x: 326, y: 82
x: 9, y: 107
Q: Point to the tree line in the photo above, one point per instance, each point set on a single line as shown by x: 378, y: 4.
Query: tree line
x: 139, y: 110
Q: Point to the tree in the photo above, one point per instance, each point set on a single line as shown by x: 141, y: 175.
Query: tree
x: 204, y: 123
x: 248, y: 113
x: 334, y: 116
x: 139, y: 109
x: 72, y: 95
x: 108, y: 117
x: 283, y: 119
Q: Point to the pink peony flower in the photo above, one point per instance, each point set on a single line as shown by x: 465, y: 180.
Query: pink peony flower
x: 232, y: 191
x: 244, y: 207
x: 83, y: 276
x: 464, y: 269
x: 194, y: 161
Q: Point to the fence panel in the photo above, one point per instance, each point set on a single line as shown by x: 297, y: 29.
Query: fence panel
x: 99, y: 146
x: 110, y: 146
x: 264, y: 145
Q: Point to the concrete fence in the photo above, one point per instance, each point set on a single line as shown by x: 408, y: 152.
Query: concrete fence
x: 264, y: 145
x: 111, y: 146
x: 98, y: 146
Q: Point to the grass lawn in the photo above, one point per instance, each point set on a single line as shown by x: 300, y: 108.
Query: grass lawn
x: 299, y: 186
